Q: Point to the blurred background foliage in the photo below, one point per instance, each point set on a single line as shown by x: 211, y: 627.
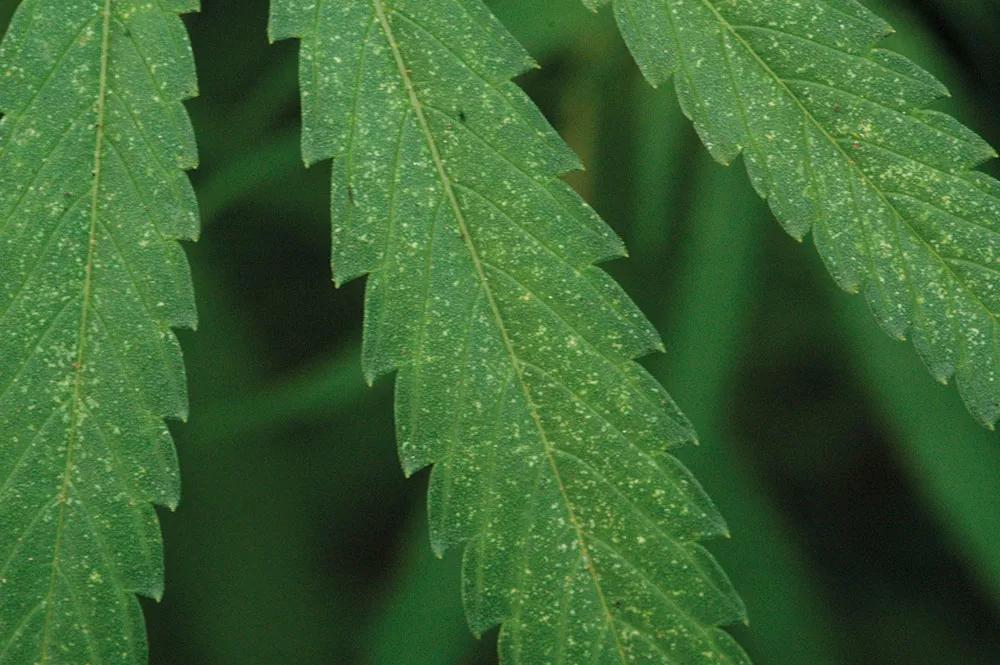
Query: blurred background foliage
x: 863, y: 500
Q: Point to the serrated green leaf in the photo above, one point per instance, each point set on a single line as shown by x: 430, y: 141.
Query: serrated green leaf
x: 835, y: 134
x: 516, y: 377
x: 93, y: 197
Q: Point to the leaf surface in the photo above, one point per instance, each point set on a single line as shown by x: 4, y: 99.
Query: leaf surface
x: 835, y: 134
x: 514, y: 354
x: 93, y: 198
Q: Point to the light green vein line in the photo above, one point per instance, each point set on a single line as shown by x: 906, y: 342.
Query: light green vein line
x: 81, y: 347
x: 456, y: 207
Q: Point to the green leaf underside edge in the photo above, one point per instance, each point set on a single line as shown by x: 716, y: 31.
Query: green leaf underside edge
x: 835, y: 134
x: 94, y: 145
x: 514, y: 354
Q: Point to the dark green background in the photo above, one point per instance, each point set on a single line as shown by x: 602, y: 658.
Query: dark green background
x: 862, y: 498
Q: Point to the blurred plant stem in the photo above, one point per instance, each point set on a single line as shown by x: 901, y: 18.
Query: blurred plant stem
x: 328, y: 389
x: 954, y: 461
x: 239, y: 180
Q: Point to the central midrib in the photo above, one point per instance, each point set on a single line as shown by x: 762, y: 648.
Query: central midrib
x: 79, y: 364
x: 456, y: 207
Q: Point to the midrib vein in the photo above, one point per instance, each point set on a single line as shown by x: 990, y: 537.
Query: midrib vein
x: 965, y: 288
x: 73, y: 431
x: 448, y: 186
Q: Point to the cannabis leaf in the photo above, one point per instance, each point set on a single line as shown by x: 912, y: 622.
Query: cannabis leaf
x: 93, y: 197
x: 836, y: 136
x: 514, y: 354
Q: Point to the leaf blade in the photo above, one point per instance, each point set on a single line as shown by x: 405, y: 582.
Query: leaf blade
x: 514, y: 355
x: 92, y: 281
x: 835, y: 135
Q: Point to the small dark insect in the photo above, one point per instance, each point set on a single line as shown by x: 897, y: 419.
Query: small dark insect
x: 836, y: 108
x: 68, y: 194
x: 350, y: 195
x: 461, y: 116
